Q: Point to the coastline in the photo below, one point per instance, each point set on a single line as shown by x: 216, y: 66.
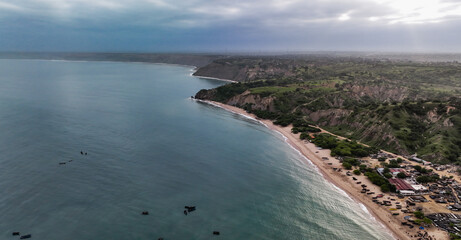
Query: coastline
x: 212, y: 78
x: 192, y: 67
x: 311, y: 153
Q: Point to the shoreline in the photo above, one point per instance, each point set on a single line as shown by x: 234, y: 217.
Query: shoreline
x: 191, y: 67
x: 308, y: 151
x: 212, y: 78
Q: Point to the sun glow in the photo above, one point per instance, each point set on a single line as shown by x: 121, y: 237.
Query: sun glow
x: 344, y: 17
x: 421, y: 11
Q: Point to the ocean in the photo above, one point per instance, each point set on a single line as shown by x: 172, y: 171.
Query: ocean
x: 151, y: 148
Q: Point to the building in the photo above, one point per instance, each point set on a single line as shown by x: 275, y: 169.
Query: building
x: 401, y: 184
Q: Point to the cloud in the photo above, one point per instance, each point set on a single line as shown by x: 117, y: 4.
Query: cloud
x: 181, y: 13
x: 279, y: 21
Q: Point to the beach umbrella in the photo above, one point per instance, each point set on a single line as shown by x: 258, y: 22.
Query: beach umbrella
x: 421, y: 228
x: 406, y: 217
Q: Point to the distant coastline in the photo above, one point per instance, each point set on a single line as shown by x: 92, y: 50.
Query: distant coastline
x: 190, y: 59
x: 212, y: 78
x: 193, y: 67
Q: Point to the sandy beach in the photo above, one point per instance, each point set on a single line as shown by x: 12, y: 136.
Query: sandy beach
x: 329, y: 169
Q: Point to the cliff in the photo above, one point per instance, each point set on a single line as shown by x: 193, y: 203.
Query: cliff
x: 247, y: 69
x: 405, y: 108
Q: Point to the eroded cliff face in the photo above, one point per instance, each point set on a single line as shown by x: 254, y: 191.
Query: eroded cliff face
x: 249, y: 70
x: 360, y: 126
x: 382, y: 93
x: 365, y: 125
x: 256, y: 101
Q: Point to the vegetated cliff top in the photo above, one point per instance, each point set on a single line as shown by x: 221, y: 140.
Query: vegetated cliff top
x: 402, y: 106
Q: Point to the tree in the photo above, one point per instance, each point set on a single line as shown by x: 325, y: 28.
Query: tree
x: 426, y: 179
x: 357, y: 172
x: 418, y: 214
x: 385, y: 188
x: 393, y: 164
x: 427, y: 221
x: 347, y: 165
x: 417, y: 168
x: 401, y: 175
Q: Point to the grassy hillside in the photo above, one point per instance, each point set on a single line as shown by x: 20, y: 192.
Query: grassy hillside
x: 403, y: 107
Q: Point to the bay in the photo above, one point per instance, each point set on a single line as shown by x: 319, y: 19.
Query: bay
x: 151, y: 148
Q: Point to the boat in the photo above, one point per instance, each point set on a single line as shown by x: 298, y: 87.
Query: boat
x: 26, y: 236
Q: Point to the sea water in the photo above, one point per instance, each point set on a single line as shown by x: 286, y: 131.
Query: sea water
x: 151, y: 148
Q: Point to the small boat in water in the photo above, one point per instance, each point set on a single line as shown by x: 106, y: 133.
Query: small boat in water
x: 26, y: 236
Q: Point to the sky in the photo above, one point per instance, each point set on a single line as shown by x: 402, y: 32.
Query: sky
x: 230, y: 25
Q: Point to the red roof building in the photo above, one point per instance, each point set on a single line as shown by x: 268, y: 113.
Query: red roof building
x: 400, y: 184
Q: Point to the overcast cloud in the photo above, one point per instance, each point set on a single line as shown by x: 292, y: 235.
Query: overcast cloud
x: 220, y: 25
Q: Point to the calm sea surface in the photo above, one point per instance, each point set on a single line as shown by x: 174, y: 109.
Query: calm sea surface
x: 150, y: 148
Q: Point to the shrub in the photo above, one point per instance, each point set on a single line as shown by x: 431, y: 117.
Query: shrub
x: 347, y: 165
x: 387, y: 175
x: 401, y: 175
x: 418, y: 214
x: 385, y: 188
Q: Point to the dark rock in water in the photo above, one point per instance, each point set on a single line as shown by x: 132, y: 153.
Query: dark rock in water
x: 26, y: 236
x: 81, y: 152
x: 145, y: 213
x: 185, y: 212
x: 15, y: 233
x: 62, y: 163
x: 216, y: 233
x: 190, y: 208
x: 86, y: 153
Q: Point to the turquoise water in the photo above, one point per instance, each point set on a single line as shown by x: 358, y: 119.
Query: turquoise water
x: 150, y: 148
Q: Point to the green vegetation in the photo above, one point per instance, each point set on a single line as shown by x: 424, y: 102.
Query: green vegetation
x: 347, y: 165
x: 402, y: 107
x: 401, y: 175
x: 342, y: 147
x: 425, y: 220
x: 357, y: 172
x: 376, y: 179
x: 418, y: 214
x: 427, y: 178
x: 454, y: 237
x: 422, y: 169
